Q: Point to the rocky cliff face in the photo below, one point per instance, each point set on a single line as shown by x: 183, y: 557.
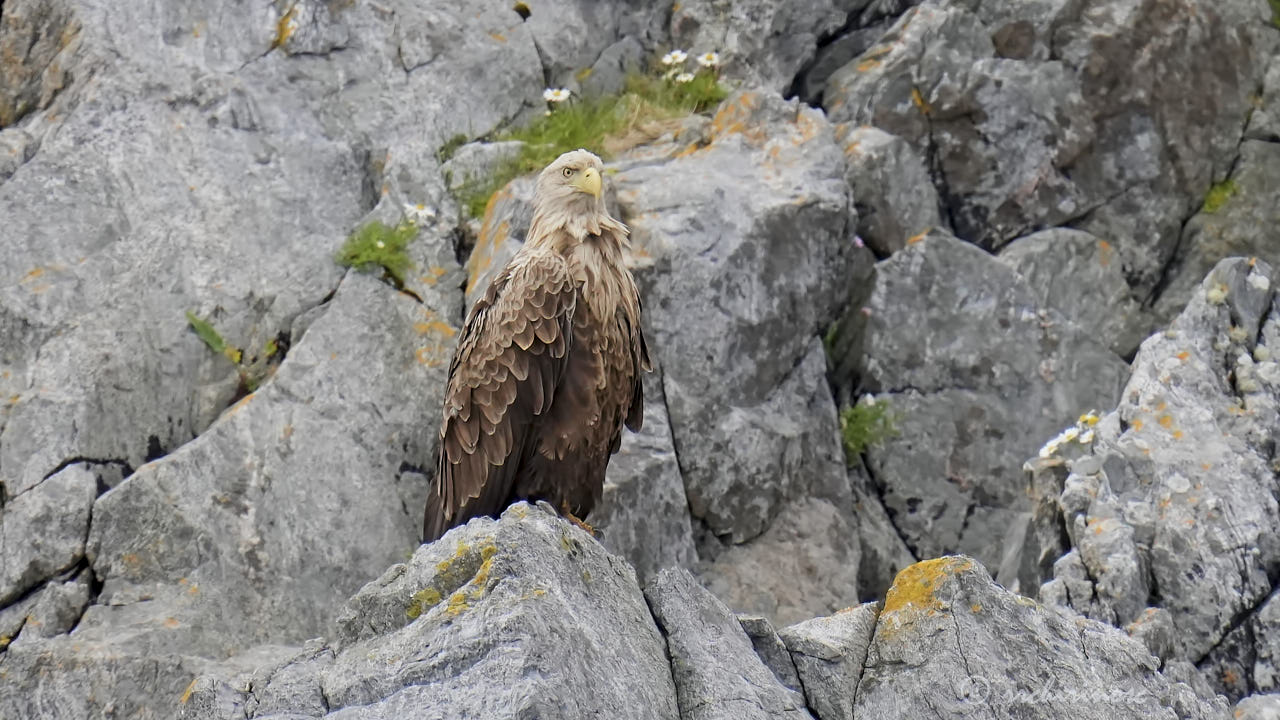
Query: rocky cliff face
x: 993, y: 217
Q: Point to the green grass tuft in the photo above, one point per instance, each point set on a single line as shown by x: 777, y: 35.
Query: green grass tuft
x: 1275, y: 12
x: 586, y: 123
x: 212, y: 337
x: 450, y: 147
x: 865, y: 425
x: 377, y: 245
x: 1218, y: 196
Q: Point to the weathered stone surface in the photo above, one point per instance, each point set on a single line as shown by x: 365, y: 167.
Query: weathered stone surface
x: 829, y: 653
x: 760, y: 43
x: 950, y: 641
x: 1264, y: 122
x: 39, y: 43
x: 717, y: 673
x: 883, y: 551
x: 1081, y: 277
x: 473, y: 163
x: 643, y: 514
x: 771, y: 650
x: 892, y: 191
x: 976, y: 374
x: 1026, y: 109
x: 806, y: 562
x: 745, y: 268
x: 42, y: 530
x: 1239, y: 219
x: 1173, y: 500
x: 1258, y: 707
x: 519, y: 617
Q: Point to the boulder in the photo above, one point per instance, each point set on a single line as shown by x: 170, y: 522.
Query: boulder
x: 717, y: 674
x: 976, y: 373
x: 829, y: 653
x: 950, y: 641
x: 761, y: 44
x: 893, y: 195
x: 1172, y: 501
x: 517, y: 617
x: 1024, y: 110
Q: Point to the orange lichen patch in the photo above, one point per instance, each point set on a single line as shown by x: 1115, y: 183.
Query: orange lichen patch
x: 438, y: 339
x: 1253, y: 261
x: 1205, y: 466
x: 1177, y: 434
x: 287, y: 432
x: 285, y: 27
x: 1166, y: 421
x: 1136, y: 424
x: 434, y: 273
x: 808, y: 126
x: 132, y: 562
x: 1105, y: 253
x: 1161, y: 408
x: 488, y: 239
x: 35, y: 273
x: 240, y: 405
x: 1229, y: 677
x: 920, y: 102
x: 498, y: 36
x: 918, y: 237
x: 172, y: 623
x: 733, y: 117
x: 1183, y: 356
x: 868, y: 64
x: 975, y: 608
x: 914, y: 587
x: 186, y: 694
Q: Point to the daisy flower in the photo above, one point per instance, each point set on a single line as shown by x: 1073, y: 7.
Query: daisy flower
x: 675, y: 57
x: 709, y: 59
x: 555, y: 95
x: 419, y: 213
x: 684, y: 77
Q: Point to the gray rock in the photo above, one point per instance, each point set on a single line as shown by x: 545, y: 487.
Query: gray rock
x: 1155, y: 628
x: 643, y: 514
x: 1238, y: 219
x: 883, y: 551
x: 42, y: 530
x: 717, y: 673
x: 608, y: 75
x: 893, y: 194
x: 1258, y: 707
x: 1264, y: 122
x: 830, y: 57
x: 1081, y: 277
x: 1016, y: 106
x: 760, y: 245
x: 41, y: 43
x: 968, y: 411
x: 516, y: 617
x: 1183, y: 500
x: 473, y: 164
x: 829, y: 653
x: 1266, y: 632
x: 761, y: 44
x: 949, y: 641
x: 806, y: 562
x: 773, y: 653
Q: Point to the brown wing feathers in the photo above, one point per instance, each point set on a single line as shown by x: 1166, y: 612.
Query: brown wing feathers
x: 509, y: 361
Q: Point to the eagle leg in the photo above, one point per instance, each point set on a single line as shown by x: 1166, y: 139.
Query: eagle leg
x: 564, y: 510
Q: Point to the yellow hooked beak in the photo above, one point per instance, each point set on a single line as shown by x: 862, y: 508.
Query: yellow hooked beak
x: 588, y: 182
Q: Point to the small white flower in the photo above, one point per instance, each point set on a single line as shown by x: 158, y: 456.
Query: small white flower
x: 419, y: 213
x: 684, y: 77
x: 555, y: 95
x: 869, y: 400
x: 380, y: 244
x: 1086, y: 437
x: 709, y: 60
x: 1070, y: 434
x: 1049, y: 449
x: 675, y: 57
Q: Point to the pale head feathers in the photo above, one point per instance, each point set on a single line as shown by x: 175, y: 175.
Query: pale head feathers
x: 568, y: 201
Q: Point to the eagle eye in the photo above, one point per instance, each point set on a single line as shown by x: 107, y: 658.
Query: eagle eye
x: 567, y: 172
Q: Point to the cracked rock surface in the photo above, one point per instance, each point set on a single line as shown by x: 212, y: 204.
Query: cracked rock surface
x: 990, y: 216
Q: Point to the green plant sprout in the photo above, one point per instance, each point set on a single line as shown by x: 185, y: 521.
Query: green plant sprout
x: 586, y: 123
x: 1218, y: 196
x: 252, y: 372
x: 865, y: 425
x: 376, y: 244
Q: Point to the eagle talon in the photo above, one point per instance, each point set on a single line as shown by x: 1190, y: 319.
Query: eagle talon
x: 564, y: 509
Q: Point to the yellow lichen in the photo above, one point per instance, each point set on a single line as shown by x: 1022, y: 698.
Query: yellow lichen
x: 285, y: 27
x: 186, y: 694
x: 422, y: 601
x: 914, y: 587
x: 457, y: 604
